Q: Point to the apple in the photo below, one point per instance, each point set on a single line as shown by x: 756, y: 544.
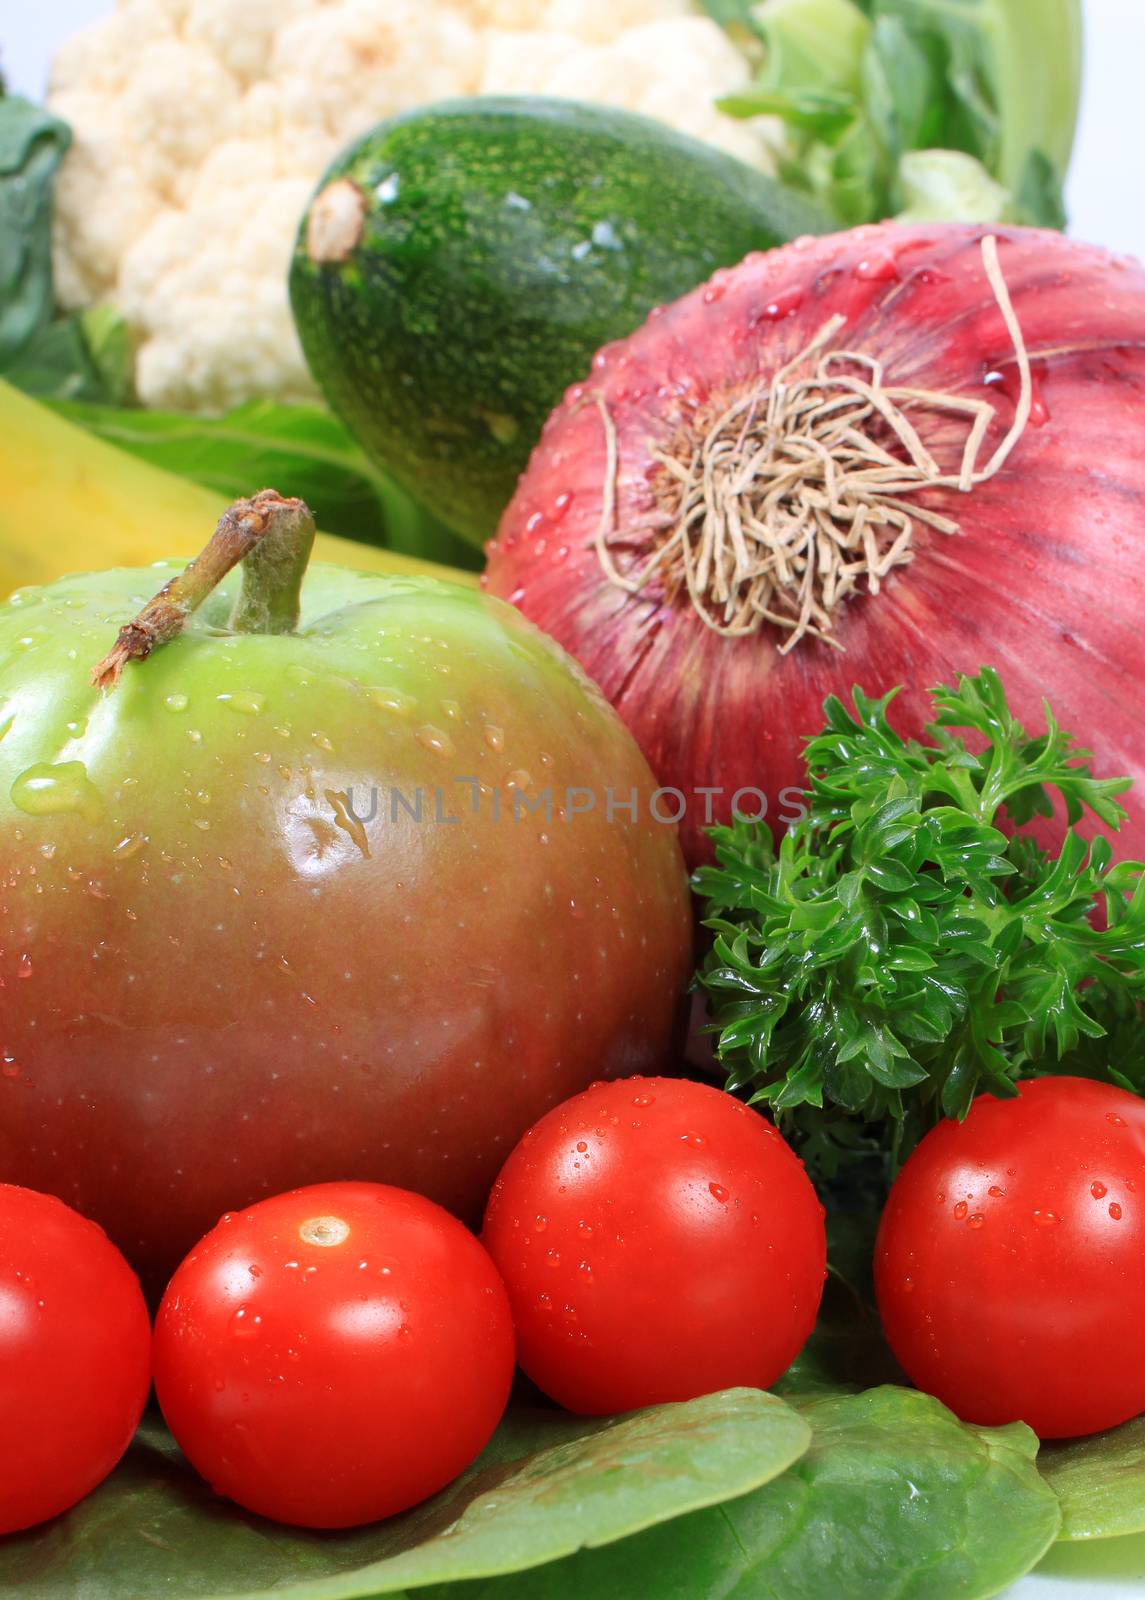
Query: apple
x: 356, y: 892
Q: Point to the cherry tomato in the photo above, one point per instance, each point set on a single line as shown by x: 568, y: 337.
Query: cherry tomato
x: 334, y: 1355
x: 659, y: 1241
x: 75, y: 1357
x: 1010, y: 1263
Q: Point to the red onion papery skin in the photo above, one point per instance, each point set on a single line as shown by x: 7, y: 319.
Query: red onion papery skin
x: 1045, y: 580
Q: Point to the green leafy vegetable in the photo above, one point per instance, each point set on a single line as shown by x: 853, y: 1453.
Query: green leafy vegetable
x: 32, y: 145
x: 302, y: 449
x: 894, y: 1497
x: 547, y: 1485
x: 862, y: 86
x: 901, y: 951
x: 1100, y: 1482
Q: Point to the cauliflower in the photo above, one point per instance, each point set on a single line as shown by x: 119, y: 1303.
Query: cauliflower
x: 201, y: 127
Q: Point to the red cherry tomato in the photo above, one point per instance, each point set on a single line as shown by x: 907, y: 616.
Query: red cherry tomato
x: 659, y: 1241
x: 1010, y: 1263
x: 75, y: 1357
x: 334, y: 1355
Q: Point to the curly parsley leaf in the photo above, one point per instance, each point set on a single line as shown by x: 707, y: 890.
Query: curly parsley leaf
x: 908, y: 944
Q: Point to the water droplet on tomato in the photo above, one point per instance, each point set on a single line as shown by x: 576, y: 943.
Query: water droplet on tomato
x: 995, y: 1192
x: 24, y: 970
x: 1117, y: 1121
x: 1115, y: 1211
x: 1098, y: 1191
x: 553, y: 1258
x: 540, y: 1224
x: 584, y: 1229
x: 908, y: 1284
x: 975, y: 1219
x: 960, y: 1210
x: 718, y: 1192
x: 643, y: 1100
x: 693, y: 1139
x: 1046, y: 1219
x: 245, y: 1324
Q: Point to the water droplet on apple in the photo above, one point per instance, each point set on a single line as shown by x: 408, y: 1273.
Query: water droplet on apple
x: 47, y: 790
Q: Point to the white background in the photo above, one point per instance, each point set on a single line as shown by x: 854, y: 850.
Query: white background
x: 1106, y: 198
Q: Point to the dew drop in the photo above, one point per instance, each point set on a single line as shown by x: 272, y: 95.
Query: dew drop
x: 879, y: 267
x: 434, y: 740
x: 390, y: 700
x: 784, y: 304
x: 244, y: 704
x: 46, y: 790
x: 245, y: 1324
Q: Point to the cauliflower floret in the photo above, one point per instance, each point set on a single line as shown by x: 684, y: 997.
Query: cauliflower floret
x: 586, y: 21
x: 201, y: 127
x: 652, y: 68
x: 241, y: 33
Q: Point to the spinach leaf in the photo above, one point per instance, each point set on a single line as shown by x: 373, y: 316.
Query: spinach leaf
x: 1100, y: 1482
x: 299, y: 449
x: 547, y: 1485
x: 32, y: 145
x: 894, y: 1497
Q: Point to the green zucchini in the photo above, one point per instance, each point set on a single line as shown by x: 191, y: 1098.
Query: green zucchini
x: 459, y: 266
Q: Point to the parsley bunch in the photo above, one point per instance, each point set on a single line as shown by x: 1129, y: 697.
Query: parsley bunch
x: 900, y: 951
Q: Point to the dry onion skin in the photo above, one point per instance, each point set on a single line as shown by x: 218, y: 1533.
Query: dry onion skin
x: 882, y: 457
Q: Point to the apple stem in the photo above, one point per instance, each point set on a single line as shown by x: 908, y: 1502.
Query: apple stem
x: 272, y: 536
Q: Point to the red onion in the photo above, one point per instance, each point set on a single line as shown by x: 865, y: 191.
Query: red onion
x: 850, y: 461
